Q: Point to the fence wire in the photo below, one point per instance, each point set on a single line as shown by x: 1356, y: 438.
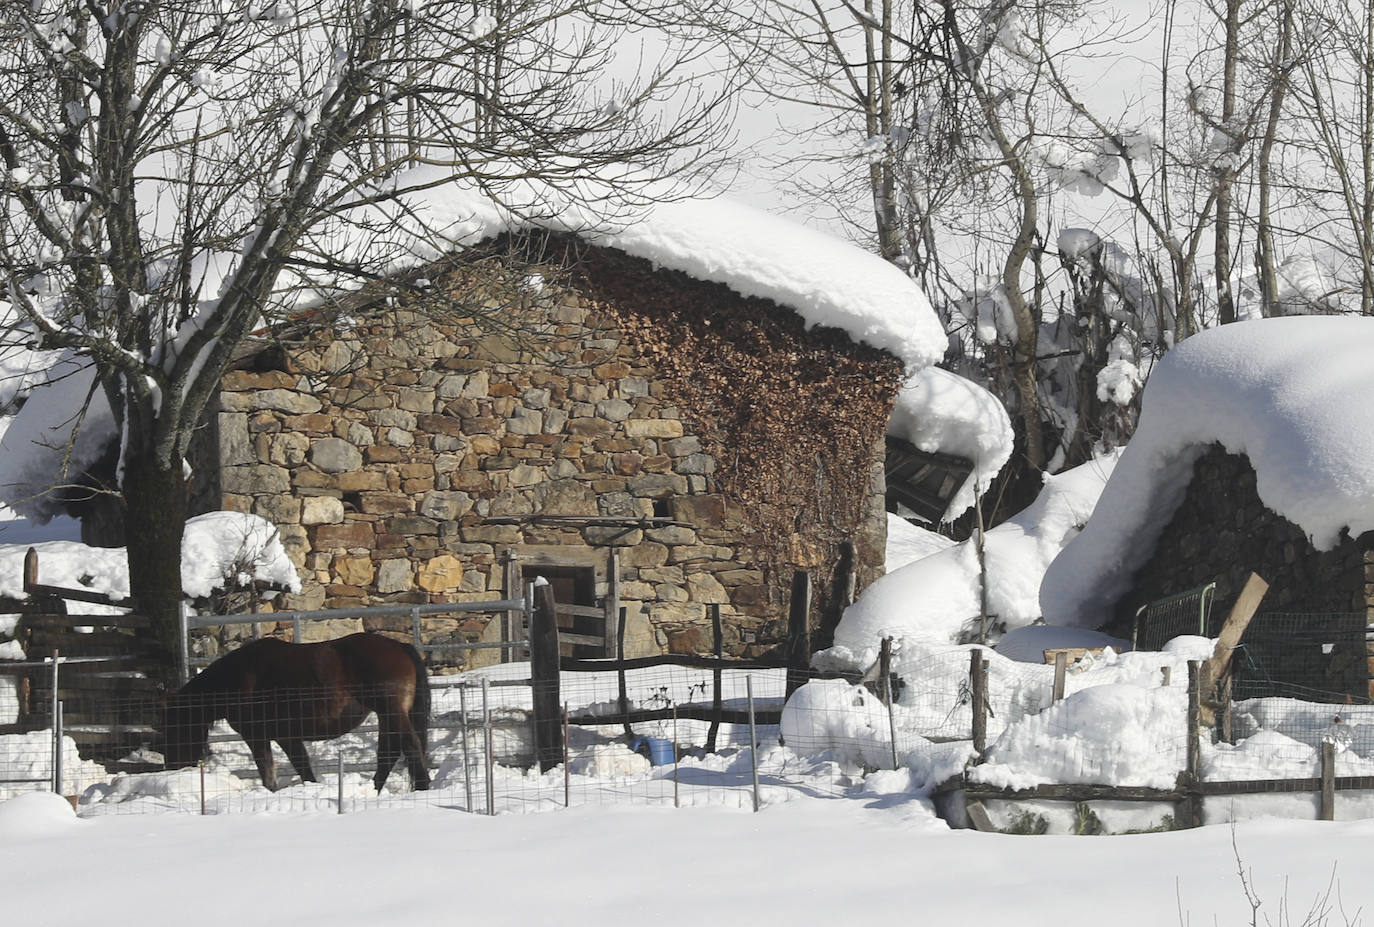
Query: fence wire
x: 657, y: 741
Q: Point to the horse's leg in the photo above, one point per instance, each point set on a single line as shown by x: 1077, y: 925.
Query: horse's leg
x: 300, y: 759
x: 261, y: 748
x: 413, y: 747
x: 388, y: 751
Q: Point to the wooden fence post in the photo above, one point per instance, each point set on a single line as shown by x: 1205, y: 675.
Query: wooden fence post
x: 1061, y: 669
x: 888, y: 696
x: 978, y: 692
x: 717, y: 703
x: 1192, y: 771
x: 548, y: 728
x: 620, y: 672
x: 798, y: 635
x: 1328, y: 802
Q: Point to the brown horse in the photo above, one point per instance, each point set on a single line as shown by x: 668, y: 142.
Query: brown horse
x: 273, y: 690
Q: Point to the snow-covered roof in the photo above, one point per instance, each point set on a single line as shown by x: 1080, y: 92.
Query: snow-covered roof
x: 1291, y: 394
x: 823, y: 279
x: 939, y: 411
x: 828, y: 282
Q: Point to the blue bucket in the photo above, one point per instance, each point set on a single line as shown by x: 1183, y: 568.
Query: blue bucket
x: 659, y: 750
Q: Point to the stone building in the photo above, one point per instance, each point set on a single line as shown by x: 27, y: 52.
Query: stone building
x: 539, y: 405
x: 1250, y: 457
x: 1311, y: 629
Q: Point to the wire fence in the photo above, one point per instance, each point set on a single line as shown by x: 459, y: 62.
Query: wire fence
x: 1129, y: 728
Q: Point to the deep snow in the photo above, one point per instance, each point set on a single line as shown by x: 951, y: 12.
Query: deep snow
x: 818, y: 861
x: 1288, y: 393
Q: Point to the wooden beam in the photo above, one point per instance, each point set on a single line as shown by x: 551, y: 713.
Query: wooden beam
x: 1216, y: 672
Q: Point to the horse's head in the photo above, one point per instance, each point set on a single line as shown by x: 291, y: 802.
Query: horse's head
x: 183, y: 731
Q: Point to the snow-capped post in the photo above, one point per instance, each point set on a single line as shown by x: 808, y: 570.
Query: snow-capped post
x: 548, y: 747
x: 978, y: 696
x: 340, y: 774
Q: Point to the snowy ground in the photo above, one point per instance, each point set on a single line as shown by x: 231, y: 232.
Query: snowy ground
x: 815, y: 860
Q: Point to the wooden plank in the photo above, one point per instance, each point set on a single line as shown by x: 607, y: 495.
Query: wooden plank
x: 582, y: 611
x: 1077, y: 792
x: 1072, y: 654
x: 1061, y: 669
x: 568, y: 638
x: 1216, y: 672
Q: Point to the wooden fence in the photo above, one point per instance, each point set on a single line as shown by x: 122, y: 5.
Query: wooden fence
x: 1190, y: 789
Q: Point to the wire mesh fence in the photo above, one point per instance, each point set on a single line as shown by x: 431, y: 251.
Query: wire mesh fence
x: 666, y: 735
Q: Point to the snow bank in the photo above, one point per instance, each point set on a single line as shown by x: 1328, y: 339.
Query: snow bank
x: 1119, y: 734
x: 938, y: 411
x: 1289, y: 393
x: 907, y: 543
x: 936, y: 598
x: 35, y: 814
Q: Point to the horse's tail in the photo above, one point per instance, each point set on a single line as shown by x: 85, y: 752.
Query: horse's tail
x: 419, y: 706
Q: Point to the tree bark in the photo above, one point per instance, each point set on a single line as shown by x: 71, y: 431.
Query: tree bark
x: 154, y: 518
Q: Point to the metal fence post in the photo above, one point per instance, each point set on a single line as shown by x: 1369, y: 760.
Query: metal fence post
x: 489, y: 759
x: 56, y: 711
x: 57, y: 751
x: 753, y: 739
x: 340, y: 771
x: 463, y: 732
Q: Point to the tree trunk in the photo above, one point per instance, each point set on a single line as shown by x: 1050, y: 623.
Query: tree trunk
x: 154, y: 518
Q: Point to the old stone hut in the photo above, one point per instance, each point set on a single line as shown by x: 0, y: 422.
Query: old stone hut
x: 679, y: 414
x: 1252, y: 456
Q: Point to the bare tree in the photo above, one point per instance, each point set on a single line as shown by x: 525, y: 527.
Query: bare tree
x: 172, y: 166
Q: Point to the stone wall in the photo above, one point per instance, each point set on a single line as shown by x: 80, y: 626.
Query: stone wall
x: 1222, y: 532
x: 407, y: 452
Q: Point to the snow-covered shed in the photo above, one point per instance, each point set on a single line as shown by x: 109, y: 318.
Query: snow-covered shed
x: 704, y: 392
x: 1255, y: 452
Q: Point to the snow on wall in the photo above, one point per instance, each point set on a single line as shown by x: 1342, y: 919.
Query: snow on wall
x: 1291, y: 394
